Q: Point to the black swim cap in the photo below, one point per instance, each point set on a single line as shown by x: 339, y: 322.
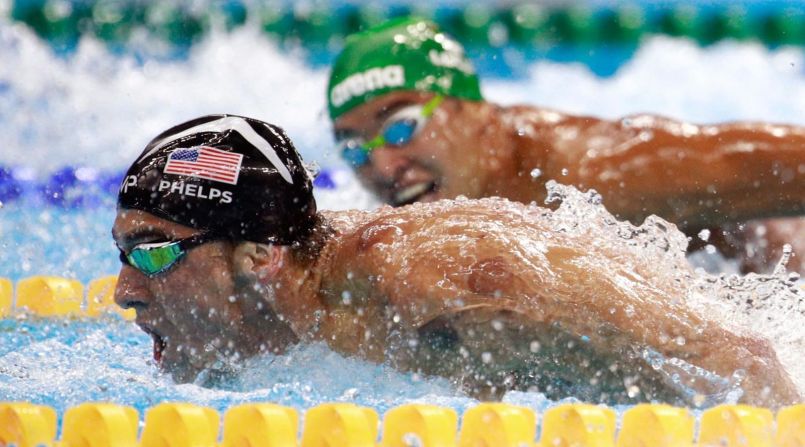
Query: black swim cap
x: 230, y: 175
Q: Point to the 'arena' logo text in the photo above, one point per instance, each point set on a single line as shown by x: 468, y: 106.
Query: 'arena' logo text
x: 367, y: 81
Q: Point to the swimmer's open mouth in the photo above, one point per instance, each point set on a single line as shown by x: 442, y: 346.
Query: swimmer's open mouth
x: 159, y: 344
x: 413, y: 193
x: 159, y: 348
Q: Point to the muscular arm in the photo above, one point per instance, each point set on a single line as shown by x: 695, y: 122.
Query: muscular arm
x: 692, y: 175
x: 559, y: 282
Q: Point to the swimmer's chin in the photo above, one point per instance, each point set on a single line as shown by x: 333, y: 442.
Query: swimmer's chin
x: 218, y: 375
x: 179, y: 366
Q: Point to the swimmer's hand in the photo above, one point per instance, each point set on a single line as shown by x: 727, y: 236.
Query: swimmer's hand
x: 766, y: 382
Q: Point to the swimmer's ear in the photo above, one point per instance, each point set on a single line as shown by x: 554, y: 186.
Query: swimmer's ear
x: 258, y: 261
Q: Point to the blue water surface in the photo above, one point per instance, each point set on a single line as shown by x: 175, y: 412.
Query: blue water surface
x: 61, y: 241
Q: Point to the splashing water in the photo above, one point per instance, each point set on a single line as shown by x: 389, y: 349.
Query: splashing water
x: 65, y: 363
x: 772, y: 306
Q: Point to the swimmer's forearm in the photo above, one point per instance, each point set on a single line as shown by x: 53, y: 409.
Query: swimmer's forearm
x: 623, y: 319
x: 674, y: 334
x: 766, y: 382
x: 711, y: 174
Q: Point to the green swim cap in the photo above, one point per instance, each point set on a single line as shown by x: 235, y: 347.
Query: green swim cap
x: 401, y: 54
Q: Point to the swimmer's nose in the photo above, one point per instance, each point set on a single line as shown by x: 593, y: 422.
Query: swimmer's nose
x: 388, y: 162
x: 131, y: 291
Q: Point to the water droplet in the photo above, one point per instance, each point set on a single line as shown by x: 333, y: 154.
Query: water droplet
x: 534, y: 347
x: 486, y: 357
x: 350, y: 393
x: 536, y: 173
x: 463, y: 351
x: 565, y: 171
x: 704, y: 234
x: 630, y: 311
x: 346, y: 297
x: 497, y: 325
x: 633, y: 391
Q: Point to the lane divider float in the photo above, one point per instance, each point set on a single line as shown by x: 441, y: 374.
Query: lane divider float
x: 54, y: 296
x: 350, y: 425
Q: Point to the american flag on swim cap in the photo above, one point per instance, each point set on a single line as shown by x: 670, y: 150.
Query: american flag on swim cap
x: 229, y: 175
x: 205, y: 162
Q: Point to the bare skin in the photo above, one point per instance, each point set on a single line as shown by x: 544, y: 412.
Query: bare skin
x: 482, y: 292
x: 695, y: 176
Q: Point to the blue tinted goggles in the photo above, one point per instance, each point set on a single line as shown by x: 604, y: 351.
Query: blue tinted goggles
x: 398, y: 130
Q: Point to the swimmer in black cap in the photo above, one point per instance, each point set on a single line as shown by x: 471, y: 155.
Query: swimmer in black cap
x: 225, y: 257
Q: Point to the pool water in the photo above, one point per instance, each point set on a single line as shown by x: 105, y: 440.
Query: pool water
x: 97, y: 109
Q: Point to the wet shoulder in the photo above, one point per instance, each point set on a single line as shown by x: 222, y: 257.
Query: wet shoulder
x: 364, y: 232
x: 525, y: 116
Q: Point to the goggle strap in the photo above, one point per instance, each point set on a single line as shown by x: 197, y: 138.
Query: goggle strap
x: 374, y: 143
x: 195, y: 241
x: 430, y: 106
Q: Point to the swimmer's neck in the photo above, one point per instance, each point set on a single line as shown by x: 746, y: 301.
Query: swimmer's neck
x: 298, y: 286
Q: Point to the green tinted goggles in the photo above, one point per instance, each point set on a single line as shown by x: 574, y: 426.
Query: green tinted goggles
x: 154, y: 258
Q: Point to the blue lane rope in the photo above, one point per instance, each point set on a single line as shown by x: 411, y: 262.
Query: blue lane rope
x: 82, y: 187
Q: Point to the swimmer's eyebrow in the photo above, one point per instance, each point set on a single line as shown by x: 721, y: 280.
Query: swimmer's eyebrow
x: 390, y: 108
x: 139, y: 236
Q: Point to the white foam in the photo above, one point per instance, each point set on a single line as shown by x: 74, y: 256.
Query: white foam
x: 101, y: 109
x: 676, y: 78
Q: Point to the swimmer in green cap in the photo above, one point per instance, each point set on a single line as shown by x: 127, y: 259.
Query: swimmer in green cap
x: 224, y: 256
x: 409, y: 118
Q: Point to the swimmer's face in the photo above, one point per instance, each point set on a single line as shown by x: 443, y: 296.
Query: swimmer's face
x: 198, y: 312
x: 440, y: 162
